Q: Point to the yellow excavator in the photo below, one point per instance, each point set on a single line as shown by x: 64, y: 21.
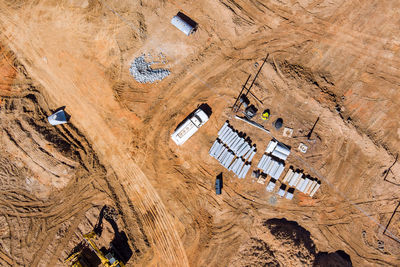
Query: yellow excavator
x: 78, y: 258
x: 107, y: 260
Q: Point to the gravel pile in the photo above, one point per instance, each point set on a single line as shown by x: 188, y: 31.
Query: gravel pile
x: 143, y: 73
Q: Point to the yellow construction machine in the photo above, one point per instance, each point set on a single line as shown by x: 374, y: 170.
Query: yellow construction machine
x: 108, y: 260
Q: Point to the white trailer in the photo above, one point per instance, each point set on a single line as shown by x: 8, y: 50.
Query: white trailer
x: 189, y: 127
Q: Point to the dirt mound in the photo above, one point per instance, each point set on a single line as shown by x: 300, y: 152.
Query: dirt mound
x: 285, y: 243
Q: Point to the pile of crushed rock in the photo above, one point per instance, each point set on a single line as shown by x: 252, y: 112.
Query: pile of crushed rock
x: 143, y: 73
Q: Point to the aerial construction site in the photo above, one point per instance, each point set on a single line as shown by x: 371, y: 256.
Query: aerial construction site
x: 199, y: 133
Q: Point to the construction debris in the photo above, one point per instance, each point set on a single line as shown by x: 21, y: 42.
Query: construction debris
x: 287, y: 132
x: 58, y: 118
x: 303, y: 148
x: 143, y: 73
x: 233, y: 150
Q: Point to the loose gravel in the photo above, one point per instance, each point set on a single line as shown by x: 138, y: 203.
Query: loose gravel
x: 143, y: 73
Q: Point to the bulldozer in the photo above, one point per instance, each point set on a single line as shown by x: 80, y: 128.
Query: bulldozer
x: 76, y: 259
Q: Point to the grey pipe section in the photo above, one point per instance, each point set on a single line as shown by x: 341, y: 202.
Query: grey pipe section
x: 270, y: 165
x: 267, y: 163
x: 218, y: 150
x: 239, y: 168
x: 229, y: 161
x: 252, y: 155
x: 221, y: 152
x: 213, y: 146
x: 260, y: 163
x: 223, y: 155
x: 235, y: 143
x: 231, y: 139
x: 244, y: 171
x: 222, y: 128
x: 246, y: 150
x: 225, y: 158
x: 235, y: 169
x: 240, y: 152
x: 282, y: 149
x: 234, y: 139
x: 236, y: 165
x: 247, y: 154
x: 238, y: 145
x: 233, y: 164
x: 230, y: 135
x: 226, y: 134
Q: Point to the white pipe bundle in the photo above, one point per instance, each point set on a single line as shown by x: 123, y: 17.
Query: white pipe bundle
x: 288, y: 176
x: 315, y: 189
x: 244, y: 171
x: 261, y: 162
x: 223, y: 128
x: 252, y: 155
x: 313, y: 184
x: 307, y: 188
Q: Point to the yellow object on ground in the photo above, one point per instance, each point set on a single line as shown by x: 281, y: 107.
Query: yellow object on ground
x: 265, y: 115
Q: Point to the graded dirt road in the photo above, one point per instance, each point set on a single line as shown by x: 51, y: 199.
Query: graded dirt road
x: 336, y: 60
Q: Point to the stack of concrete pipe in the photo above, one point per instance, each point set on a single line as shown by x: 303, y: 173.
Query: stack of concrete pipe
x: 307, y: 185
x: 278, y: 149
x: 233, y: 151
x: 271, y: 167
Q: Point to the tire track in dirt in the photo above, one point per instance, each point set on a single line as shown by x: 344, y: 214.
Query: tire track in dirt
x: 158, y: 223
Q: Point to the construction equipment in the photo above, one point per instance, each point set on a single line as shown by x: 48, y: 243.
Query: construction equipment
x: 265, y: 115
x: 250, y: 112
x: 107, y: 260
x: 79, y: 256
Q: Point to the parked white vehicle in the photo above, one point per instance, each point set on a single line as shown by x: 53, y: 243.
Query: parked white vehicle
x: 189, y: 127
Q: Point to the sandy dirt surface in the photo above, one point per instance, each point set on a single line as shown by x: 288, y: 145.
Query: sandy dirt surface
x: 336, y: 60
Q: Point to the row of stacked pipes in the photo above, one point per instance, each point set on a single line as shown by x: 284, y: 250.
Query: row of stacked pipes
x: 306, y: 185
x: 233, y: 150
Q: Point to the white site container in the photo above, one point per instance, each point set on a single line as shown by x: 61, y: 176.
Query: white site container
x: 189, y: 127
x: 182, y: 25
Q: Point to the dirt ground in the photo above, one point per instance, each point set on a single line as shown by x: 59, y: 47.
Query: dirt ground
x: 334, y: 60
